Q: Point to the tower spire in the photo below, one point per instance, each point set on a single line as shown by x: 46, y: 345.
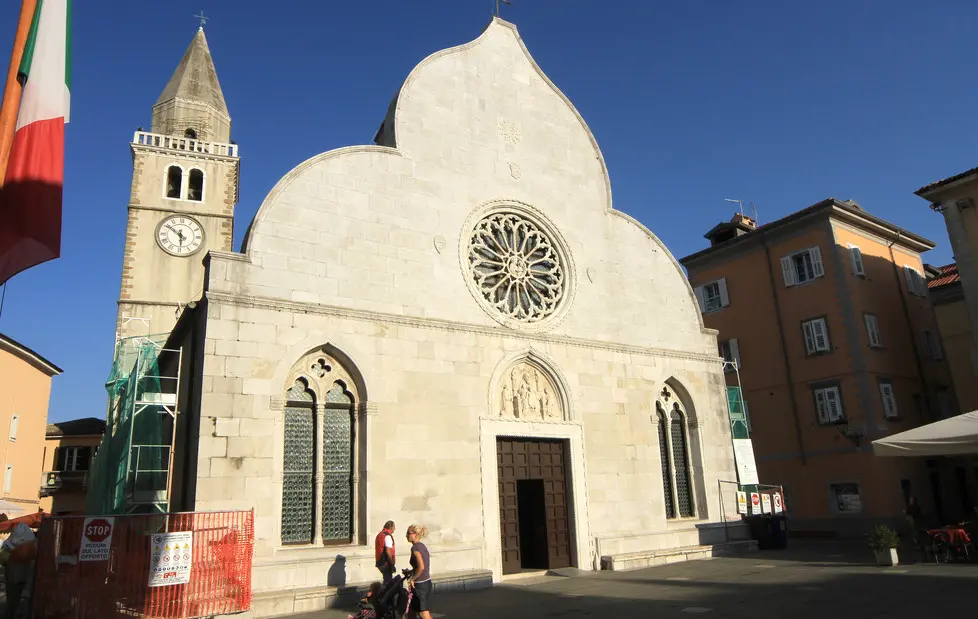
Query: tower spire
x: 192, y: 101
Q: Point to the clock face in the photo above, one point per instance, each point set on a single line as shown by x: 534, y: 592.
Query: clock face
x: 179, y: 235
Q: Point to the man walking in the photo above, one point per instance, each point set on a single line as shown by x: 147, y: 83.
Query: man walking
x: 384, y: 550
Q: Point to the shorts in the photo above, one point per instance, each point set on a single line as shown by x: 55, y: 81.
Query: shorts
x: 422, y: 596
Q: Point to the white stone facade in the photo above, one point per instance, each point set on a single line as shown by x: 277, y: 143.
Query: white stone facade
x: 362, y: 257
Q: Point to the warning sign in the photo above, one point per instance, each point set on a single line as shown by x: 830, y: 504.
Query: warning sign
x: 170, y: 558
x: 755, y: 503
x: 766, y: 503
x: 96, y: 539
x: 742, y: 503
x: 778, y: 503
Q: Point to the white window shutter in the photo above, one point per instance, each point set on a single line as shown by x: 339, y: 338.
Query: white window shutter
x: 928, y: 349
x: 872, y: 330
x: 735, y: 351
x: 821, y: 406
x: 14, y: 421
x: 908, y: 273
x: 788, y: 270
x: 889, y: 400
x: 821, y: 334
x: 700, y: 298
x: 856, y: 255
x: 809, y: 337
x: 817, y: 267
x: 834, y: 405
x: 921, y: 283
x: 724, y: 298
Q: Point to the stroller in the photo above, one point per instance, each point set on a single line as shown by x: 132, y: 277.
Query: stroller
x: 392, y: 601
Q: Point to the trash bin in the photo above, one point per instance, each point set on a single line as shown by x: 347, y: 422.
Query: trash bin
x: 780, y: 525
x: 770, y: 531
x: 761, y: 531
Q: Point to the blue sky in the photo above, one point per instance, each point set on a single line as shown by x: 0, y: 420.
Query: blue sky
x: 692, y: 101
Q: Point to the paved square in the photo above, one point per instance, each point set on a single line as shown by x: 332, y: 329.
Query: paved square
x: 807, y: 581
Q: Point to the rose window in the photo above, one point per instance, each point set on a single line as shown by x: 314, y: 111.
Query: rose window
x: 516, y: 267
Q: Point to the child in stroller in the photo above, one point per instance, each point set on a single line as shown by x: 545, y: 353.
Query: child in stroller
x: 390, y: 601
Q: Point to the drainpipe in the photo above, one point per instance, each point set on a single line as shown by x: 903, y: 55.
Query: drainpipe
x: 784, y: 350
x: 913, y: 334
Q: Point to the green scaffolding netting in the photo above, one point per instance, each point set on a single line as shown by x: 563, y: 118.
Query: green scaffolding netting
x: 132, y: 460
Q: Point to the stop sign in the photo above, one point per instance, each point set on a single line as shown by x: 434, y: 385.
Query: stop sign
x: 98, y: 530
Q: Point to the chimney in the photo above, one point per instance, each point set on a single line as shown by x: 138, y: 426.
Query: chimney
x: 739, y: 225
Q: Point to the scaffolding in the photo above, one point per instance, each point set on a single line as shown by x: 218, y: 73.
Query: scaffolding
x: 131, y: 471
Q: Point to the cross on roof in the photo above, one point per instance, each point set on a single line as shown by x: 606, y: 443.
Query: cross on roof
x: 202, y: 18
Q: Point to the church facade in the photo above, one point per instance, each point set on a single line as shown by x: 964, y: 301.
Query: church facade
x: 451, y: 327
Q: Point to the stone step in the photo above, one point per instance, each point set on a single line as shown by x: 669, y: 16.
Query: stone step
x: 665, y: 556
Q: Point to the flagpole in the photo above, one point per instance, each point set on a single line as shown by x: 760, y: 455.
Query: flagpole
x: 11, y: 92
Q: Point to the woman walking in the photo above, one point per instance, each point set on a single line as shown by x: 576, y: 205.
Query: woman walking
x: 420, y: 579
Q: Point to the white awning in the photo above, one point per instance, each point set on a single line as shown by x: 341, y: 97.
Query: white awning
x: 956, y: 436
x: 11, y: 509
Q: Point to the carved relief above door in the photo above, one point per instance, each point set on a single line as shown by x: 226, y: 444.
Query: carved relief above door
x: 527, y: 393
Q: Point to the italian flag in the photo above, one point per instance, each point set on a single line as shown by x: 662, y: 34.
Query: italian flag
x: 30, y: 199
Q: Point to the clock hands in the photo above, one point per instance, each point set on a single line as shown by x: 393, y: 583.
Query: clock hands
x: 179, y: 234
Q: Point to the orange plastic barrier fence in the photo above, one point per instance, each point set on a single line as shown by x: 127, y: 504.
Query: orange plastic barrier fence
x: 129, y: 566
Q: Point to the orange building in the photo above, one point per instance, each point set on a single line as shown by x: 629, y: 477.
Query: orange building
x: 828, y: 315
x: 68, y: 453
x: 25, y: 391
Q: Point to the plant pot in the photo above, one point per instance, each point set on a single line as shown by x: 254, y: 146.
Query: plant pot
x: 887, y: 557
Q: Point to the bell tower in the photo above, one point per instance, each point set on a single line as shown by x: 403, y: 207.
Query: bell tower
x: 181, y: 204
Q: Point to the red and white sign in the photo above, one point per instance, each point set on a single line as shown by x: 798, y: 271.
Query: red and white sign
x: 96, y: 539
x: 778, y: 503
x: 170, y: 558
x: 755, y: 503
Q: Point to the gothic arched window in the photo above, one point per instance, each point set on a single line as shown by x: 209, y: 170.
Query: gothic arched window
x: 337, y: 525
x: 680, y: 459
x: 298, y: 482
x: 677, y: 480
x: 318, y: 484
x: 174, y: 181
x: 195, y: 185
x: 664, y: 461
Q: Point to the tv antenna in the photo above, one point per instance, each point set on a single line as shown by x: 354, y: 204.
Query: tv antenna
x: 740, y: 203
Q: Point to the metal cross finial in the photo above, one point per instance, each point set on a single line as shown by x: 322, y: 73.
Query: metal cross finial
x: 504, y: 2
x: 202, y: 18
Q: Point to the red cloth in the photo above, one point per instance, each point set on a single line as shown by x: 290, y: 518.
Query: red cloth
x: 953, y: 535
x: 31, y: 520
x: 379, y: 545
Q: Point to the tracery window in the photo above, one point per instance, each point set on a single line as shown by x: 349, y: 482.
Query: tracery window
x: 674, y: 457
x: 516, y: 267
x: 319, y: 445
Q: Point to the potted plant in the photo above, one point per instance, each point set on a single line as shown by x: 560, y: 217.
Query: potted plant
x: 883, y: 540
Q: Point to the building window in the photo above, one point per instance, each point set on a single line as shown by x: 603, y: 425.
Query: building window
x: 730, y: 351
x: 190, y: 134
x: 856, y: 258
x: 872, y: 330
x: 932, y: 345
x: 677, y: 479
x: 889, y: 400
x: 846, y: 498
x: 916, y: 284
x: 72, y: 459
x: 317, y: 488
x: 8, y: 478
x: 816, y: 336
x: 195, y: 185
x: 802, y: 266
x: 713, y: 295
x: 14, y: 421
x: 828, y: 405
x: 680, y: 460
x: 665, y: 462
x: 174, y: 181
